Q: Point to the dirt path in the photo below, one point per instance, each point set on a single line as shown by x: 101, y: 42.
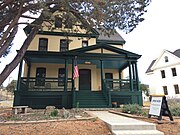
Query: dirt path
x: 86, y: 127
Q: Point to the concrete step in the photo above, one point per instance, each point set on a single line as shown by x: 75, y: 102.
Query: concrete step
x: 132, y: 126
x: 137, y: 132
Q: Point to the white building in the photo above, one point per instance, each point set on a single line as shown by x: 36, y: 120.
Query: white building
x: 164, y: 74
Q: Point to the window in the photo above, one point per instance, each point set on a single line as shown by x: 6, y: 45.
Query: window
x: 166, y: 59
x: 165, y: 90
x: 58, y: 22
x: 176, y: 88
x: 163, y: 74
x: 63, y: 45
x: 43, y: 44
x: 109, y: 83
x: 61, y: 76
x: 174, y: 71
x: 84, y: 43
x: 40, y: 76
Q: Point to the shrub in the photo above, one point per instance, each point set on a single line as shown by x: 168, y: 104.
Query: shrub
x: 54, y: 113
x: 174, y: 106
x: 132, y: 109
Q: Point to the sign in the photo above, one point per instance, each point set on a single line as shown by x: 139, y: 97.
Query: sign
x: 159, y: 107
x: 155, y: 107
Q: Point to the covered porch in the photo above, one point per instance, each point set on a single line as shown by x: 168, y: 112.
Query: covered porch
x: 96, y: 86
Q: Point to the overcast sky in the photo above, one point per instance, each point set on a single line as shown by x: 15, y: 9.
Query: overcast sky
x: 159, y: 31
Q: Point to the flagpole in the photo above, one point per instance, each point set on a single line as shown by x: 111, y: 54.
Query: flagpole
x: 73, y: 90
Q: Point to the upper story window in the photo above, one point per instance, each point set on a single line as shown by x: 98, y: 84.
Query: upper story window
x: 58, y: 22
x: 163, y: 74
x: 166, y: 59
x: 43, y: 44
x: 64, y: 45
x: 84, y: 43
x: 165, y: 90
x: 174, y: 71
x: 176, y: 88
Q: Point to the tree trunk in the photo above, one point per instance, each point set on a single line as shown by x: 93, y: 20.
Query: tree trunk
x: 10, y: 67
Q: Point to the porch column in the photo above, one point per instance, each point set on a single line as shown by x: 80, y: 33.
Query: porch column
x: 66, y: 75
x: 73, y: 90
x: 19, y: 76
x: 133, y: 71
x: 130, y: 77
x: 120, y: 77
x: 28, y: 74
x: 137, y: 78
x: 102, y: 74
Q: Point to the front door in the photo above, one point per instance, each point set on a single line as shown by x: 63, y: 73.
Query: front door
x: 85, y: 79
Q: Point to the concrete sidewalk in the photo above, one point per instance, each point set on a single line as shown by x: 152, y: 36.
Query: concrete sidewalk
x: 121, y: 125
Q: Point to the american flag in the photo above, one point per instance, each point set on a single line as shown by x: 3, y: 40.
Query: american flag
x: 76, y: 72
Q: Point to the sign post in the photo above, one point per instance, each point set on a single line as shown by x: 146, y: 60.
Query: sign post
x: 159, y: 107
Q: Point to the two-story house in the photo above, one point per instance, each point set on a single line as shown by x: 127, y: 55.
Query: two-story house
x: 46, y: 77
x: 164, y: 74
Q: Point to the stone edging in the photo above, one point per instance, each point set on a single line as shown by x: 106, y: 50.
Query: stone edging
x: 45, y: 121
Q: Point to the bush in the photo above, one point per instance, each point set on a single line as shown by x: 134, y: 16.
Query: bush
x: 174, y: 106
x: 54, y: 113
x: 132, y: 109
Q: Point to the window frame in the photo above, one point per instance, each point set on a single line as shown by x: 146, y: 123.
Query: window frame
x: 58, y: 22
x: 165, y: 90
x: 40, y: 76
x: 163, y: 74
x: 43, y: 44
x: 166, y: 59
x: 176, y: 89
x: 64, y: 46
x: 174, y: 73
x: 61, y: 76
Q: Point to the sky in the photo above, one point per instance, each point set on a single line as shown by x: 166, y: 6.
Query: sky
x: 160, y: 30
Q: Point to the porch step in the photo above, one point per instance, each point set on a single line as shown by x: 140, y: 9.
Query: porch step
x: 91, y: 99
x: 137, y: 132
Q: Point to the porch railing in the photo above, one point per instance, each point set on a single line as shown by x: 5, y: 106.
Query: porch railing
x: 44, y: 84
x: 120, y: 85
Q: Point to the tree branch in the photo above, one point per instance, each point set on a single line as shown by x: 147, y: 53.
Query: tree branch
x: 13, y: 23
x: 8, y: 41
x: 10, y: 67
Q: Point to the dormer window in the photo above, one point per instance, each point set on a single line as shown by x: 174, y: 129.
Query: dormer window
x: 166, y: 59
x: 58, y: 22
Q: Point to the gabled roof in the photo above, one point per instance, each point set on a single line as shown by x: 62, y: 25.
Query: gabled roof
x: 154, y: 62
x: 149, y: 68
x: 177, y: 53
x: 28, y: 28
x: 114, y: 38
x: 104, y: 46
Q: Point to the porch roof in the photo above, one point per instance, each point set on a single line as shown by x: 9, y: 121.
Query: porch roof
x: 118, y: 60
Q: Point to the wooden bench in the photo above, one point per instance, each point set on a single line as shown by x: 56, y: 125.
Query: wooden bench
x: 19, y: 109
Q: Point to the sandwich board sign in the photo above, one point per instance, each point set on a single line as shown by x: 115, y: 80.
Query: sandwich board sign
x: 159, y: 107
x: 155, y: 107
